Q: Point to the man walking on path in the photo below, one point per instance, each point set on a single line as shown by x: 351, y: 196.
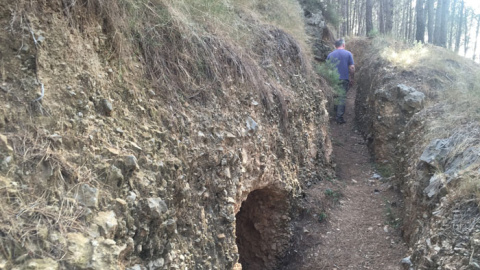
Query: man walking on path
x: 343, y: 60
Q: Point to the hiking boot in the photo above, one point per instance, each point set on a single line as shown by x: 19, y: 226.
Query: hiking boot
x: 341, y: 121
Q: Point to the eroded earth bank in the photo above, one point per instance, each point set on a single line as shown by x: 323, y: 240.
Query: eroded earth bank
x: 422, y: 128
x: 180, y: 135
x: 133, y: 131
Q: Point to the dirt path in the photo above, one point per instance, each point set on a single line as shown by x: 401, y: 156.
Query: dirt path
x: 358, y: 231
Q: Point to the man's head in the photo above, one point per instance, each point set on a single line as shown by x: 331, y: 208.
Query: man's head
x: 340, y: 43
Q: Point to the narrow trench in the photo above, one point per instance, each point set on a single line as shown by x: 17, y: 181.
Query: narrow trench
x: 353, y: 221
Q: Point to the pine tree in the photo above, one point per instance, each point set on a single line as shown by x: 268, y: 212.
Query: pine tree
x: 420, y: 34
x: 369, y: 17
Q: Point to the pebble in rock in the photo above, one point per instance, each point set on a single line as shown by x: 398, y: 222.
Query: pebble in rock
x: 131, y: 197
x: 131, y: 163
x: 157, y: 206
x: 251, y: 124
x: 171, y: 225
x: 157, y: 264
x: 4, y: 146
x: 87, y: 195
x: 137, y: 267
x: 406, y: 261
x: 6, y: 162
x: 107, y: 107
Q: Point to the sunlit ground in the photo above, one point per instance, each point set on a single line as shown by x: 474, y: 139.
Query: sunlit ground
x: 405, y: 57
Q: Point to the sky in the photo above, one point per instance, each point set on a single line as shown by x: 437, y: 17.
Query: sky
x: 475, y: 4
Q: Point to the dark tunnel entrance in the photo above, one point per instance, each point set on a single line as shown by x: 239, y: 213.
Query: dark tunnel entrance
x: 263, y: 229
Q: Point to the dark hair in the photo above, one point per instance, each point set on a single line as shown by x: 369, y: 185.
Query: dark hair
x: 339, y: 42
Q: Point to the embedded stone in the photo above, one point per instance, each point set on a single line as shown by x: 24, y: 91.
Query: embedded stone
x: 107, y: 223
x: 412, y: 99
x: 87, y: 196
x: 79, y: 251
x: 156, y: 264
x: 157, y: 206
x: 4, y: 146
x: 106, y: 255
x: 436, y: 184
x: 252, y: 126
x: 131, y: 163
x: 107, y: 107
x: 41, y: 264
x: 115, y: 176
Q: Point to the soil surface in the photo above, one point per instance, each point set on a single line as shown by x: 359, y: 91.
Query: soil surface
x: 352, y: 222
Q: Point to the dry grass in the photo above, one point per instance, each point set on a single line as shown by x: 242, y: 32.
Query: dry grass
x: 442, y: 75
x: 38, y: 203
x: 194, y: 47
x: 469, y: 187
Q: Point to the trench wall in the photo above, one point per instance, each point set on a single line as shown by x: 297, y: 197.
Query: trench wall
x: 112, y: 168
x: 397, y: 108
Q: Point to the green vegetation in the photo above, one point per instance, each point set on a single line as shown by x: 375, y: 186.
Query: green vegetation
x: 329, y: 10
x: 329, y: 72
x: 373, y: 33
x: 392, y: 219
x: 331, y: 14
x: 322, y: 217
x: 385, y: 170
x: 335, y: 195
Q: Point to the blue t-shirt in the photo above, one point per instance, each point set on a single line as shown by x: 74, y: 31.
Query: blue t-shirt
x: 343, y: 59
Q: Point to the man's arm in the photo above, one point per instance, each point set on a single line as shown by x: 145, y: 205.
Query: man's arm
x: 351, y: 70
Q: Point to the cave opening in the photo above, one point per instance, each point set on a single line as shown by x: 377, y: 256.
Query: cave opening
x: 263, y: 229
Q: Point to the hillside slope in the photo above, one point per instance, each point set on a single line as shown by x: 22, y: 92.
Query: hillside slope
x: 132, y: 131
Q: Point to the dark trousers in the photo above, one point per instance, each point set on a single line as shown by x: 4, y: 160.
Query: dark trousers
x: 342, y: 99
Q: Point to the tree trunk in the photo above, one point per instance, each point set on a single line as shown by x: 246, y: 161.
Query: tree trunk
x: 452, y: 24
x: 404, y: 31
x: 420, y: 34
x: 467, y: 32
x: 410, y: 21
x: 389, y: 16
x: 344, y: 16
x: 431, y: 17
x: 381, y: 19
x: 360, y: 18
x: 369, y: 17
x: 438, y: 23
x: 442, y: 36
x: 459, y: 28
x: 476, y: 38
x: 413, y: 24
x: 347, y: 7
x: 354, y: 17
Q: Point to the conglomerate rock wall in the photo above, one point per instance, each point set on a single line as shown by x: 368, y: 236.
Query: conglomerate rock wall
x: 396, y: 116
x: 102, y: 170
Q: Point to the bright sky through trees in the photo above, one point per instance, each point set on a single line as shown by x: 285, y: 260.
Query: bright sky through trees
x: 475, y: 4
